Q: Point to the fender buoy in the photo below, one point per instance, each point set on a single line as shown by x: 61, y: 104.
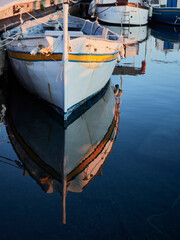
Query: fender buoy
x: 143, y: 66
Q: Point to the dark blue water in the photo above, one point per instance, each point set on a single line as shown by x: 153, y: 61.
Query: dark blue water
x: 136, y: 193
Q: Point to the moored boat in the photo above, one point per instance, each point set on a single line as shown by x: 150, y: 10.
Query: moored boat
x: 121, y: 12
x: 64, y: 62
x: 166, y: 12
x: 167, y: 15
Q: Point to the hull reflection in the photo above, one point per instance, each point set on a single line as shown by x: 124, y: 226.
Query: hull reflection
x: 59, y: 159
x: 167, y: 38
x: 131, y: 38
x: 131, y: 35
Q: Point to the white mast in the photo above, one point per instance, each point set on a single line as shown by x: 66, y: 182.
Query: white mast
x: 65, y: 48
x: 65, y: 65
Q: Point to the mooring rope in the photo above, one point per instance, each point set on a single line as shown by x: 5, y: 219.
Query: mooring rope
x: 14, y: 39
x: 37, y: 20
x: 18, y: 163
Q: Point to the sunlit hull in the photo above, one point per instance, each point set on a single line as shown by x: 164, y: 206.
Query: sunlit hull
x: 130, y: 14
x: 45, y: 79
x: 37, y: 59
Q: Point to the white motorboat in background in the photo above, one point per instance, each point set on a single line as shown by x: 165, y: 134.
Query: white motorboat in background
x: 121, y: 12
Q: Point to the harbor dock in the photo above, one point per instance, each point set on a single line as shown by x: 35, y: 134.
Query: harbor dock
x: 12, y: 12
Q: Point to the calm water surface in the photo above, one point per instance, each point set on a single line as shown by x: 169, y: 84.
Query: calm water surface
x: 129, y: 185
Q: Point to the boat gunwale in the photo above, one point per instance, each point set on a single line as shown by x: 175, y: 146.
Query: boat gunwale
x: 116, y: 4
x: 70, y: 53
x: 166, y: 9
x: 88, y: 61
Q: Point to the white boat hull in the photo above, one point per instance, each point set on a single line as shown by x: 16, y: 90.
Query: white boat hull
x: 64, y: 71
x: 125, y: 14
x: 83, y: 80
x: 86, y: 75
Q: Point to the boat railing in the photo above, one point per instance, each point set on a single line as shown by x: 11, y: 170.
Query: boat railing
x: 60, y: 33
x: 177, y: 19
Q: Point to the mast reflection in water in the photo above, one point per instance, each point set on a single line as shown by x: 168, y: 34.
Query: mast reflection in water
x: 59, y: 159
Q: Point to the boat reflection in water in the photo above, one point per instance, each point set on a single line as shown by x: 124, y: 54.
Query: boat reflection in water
x: 167, y: 38
x: 131, y: 35
x: 59, y: 159
x: 167, y: 44
x: 131, y: 38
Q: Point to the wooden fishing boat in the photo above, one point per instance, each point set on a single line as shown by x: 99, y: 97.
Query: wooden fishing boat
x: 64, y: 61
x: 121, y: 12
x: 59, y: 159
